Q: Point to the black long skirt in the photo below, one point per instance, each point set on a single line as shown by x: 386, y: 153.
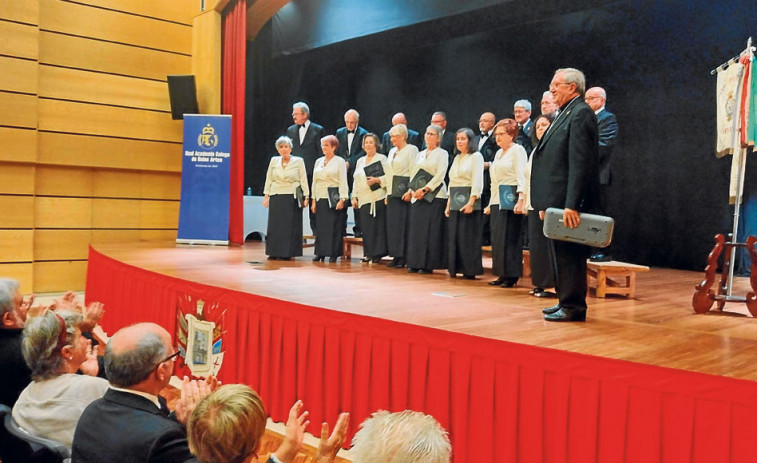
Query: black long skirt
x: 507, y: 243
x: 464, y: 243
x: 542, y: 254
x: 427, y: 237
x: 374, y: 229
x: 284, y: 235
x: 397, y: 212
x: 329, y: 222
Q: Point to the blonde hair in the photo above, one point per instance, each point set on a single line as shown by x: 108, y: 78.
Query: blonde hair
x: 401, y: 437
x: 227, y: 425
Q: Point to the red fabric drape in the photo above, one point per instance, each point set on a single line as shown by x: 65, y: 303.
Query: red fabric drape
x: 234, y: 24
x: 500, y: 401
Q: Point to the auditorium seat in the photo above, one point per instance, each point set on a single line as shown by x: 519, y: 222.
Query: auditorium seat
x: 18, y: 446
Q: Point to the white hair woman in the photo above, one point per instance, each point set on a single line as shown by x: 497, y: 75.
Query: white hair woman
x: 400, y: 161
x: 285, y: 194
x: 368, y: 195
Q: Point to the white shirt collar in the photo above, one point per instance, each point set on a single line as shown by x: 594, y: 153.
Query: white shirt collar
x: 146, y: 395
x: 599, y: 110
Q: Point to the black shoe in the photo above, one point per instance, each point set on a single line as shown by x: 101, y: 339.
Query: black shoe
x: 332, y: 260
x: 600, y: 258
x: 551, y: 310
x: 376, y: 260
x: 509, y: 282
x: 365, y: 259
x: 317, y: 258
x: 536, y: 291
x: 425, y: 271
x: 575, y: 315
x: 400, y: 263
x: 412, y: 270
x: 469, y: 277
x: 498, y: 281
x: 393, y: 262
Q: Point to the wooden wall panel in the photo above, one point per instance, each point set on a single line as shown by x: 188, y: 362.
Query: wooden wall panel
x: 19, y: 40
x: 114, y: 26
x: 59, y: 276
x: 16, y: 245
x: 159, y: 185
x: 23, y: 11
x: 82, y: 150
x: 117, y: 184
x: 115, y: 236
x: 96, y: 87
x: 18, y: 110
x: 18, y: 75
x: 19, y: 144
x: 24, y: 273
x: 91, y: 119
x: 54, y: 212
x: 16, y: 179
x: 61, y: 244
x: 64, y: 181
x: 206, y: 65
x: 18, y: 211
x: 157, y: 235
x: 181, y: 11
x: 113, y: 58
x: 115, y: 213
x: 159, y: 214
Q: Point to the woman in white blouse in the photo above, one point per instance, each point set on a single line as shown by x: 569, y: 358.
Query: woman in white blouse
x: 464, y: 225
x: 286, y: 174
x: 427, y: 246
x: 329, y: 171
x: 368, y: 194
x: 399, y: 161
x: 508, y: 169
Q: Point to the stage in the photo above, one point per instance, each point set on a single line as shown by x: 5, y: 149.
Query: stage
x: 643, y: 379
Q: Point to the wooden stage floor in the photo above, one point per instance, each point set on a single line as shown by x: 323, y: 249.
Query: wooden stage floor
x: 658, y: 327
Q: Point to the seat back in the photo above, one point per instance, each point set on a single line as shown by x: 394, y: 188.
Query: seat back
x: 17, y: 445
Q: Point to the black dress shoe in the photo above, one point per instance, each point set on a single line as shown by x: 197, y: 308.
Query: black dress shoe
x: 575, y: 315
x: 317, y: 258
x: 400, y: 263
x: 600, y: 258
x: 498, y: 281
x: 551, y: 310
x: 393, y: 262
x: 365, y: 259
x: 412, y: 270
x: 425, y: 271
x: 376, y: 260
x: 469, y: 277
x: 509, y: 282
x: 332, y: 260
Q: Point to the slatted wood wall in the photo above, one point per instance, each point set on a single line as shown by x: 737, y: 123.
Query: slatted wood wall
x: 88, y: 150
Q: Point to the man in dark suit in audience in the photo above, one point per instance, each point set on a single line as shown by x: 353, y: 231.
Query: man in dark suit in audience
x: 522, y: 115
x: 350, y: 139
x: 596, y: 98
x: 131, y: 422
x: 565, y: 175
x: 12, y: 320
x: 412, y: 136
x: 488, y: 148
x: 306, y: 142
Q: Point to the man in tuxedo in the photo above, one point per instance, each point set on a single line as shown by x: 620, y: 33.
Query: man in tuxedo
x: 548, y: 106
x: 412, y: 136
x: 596, y: 97
x: 131, y: 422
x: 565, y: 175
x: 522, y: 115
x: 306, y: 142
x: 488, y: 148
x: 350, y: 139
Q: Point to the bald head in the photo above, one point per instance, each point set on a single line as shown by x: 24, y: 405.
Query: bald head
x: 399, y: 118
x: 351, y: 119
x: 548, y: 105
x: 596, y: 97
x: 486, y: 122
x: 135, y: 352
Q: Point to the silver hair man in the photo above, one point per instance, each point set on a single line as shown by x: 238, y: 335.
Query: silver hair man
x: 525, y: 104
x: 302, y: 106
x: 574, y: 76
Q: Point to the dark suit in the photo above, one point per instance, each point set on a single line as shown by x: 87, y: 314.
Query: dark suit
x: 413, y: 138
x: 608, y: 134
x: 126, y: 428
x: 488, y: 150
x: 352, y: 155
x: 309, y: 150
x: 524, y: 136
x: 565, y: 175
x: 16, y: 375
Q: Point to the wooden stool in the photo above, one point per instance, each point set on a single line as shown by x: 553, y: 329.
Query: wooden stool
x: 600, y: 271
x: 347, y: 243
x: 526, y: 259
x: 305, y: 239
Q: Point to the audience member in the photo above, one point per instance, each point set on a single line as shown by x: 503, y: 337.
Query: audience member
x: 131, y: 422
x: 407, y: 437
x: 17, y: 374
x: 54, y: 350
x: 227, y: 427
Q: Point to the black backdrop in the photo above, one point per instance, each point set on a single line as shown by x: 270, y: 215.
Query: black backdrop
x: 652, y: 57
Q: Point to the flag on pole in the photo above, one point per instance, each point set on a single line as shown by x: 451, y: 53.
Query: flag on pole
x: 751, y: 122
x: 728, y: 101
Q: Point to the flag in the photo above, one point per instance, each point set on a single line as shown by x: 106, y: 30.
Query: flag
x: 728, y: 102
x: 751, y: 119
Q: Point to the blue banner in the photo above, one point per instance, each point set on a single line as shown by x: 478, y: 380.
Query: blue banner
x: 204, y: 207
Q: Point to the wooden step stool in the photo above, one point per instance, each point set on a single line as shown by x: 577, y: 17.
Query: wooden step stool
x: 601, y: 271
x: 347, y: 243
x: 526, y: 259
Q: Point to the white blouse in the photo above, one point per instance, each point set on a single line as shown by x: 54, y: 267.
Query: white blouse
x: 508, y: 168
x: 468, y: 171
x: 284, y: 180
x: 328, y: 175
x: 360, y: 188
x: 400, y: 163
x: 434, y: 162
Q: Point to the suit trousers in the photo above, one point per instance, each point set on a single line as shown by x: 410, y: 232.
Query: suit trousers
x: 570, y: 262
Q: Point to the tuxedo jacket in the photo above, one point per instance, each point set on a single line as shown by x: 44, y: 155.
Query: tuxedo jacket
x: 310, y: 148
x: 356, y: 152
x: 413, y: 138
x: 524, y: 136
x: 564, y: 172
x: 488, y: 149
x: 126, y: 428
x: 608, y: 134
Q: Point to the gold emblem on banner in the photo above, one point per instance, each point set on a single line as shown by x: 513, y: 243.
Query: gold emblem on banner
x: 199, y: 332
x: 730, y: 106
x: 208, y: 137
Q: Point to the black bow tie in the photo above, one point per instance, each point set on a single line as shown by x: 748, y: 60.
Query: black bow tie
x: 300, y: 126
x: 484, y: 134
x: 351, y: 131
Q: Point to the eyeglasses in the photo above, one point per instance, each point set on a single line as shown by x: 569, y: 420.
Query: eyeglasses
x: 175, y: 354
x: 555, y: 84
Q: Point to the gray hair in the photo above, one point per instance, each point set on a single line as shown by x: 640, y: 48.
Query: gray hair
x: 440, y: 113
x: 8, y: 289
x: 436, y: 129
x: 546, y: 92
x: 406, y: 436
x: 399, y: 129
x: 40, y: 342
x: 284, y: 140
x: 574, y: 76
x: 303, y: 106
x: 132, y: 366
x: 525, y: 104
x: 357, y: 114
